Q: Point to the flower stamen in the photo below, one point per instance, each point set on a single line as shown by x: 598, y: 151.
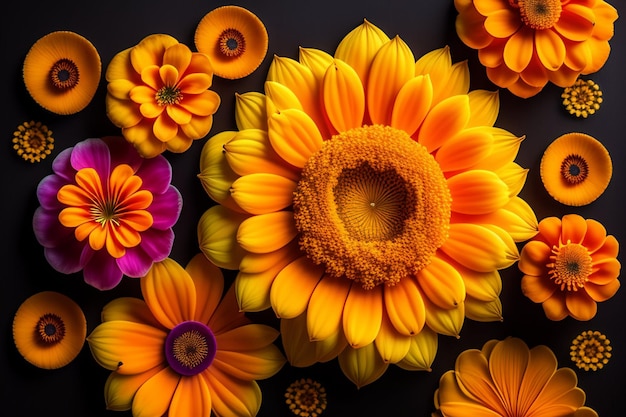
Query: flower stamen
x: 539, y: 14
x: 590, y: 350
x: 583, y: 98
x: 570, y: 267
x: 190, y: 348
x: 168, y: 95
x: 33, y: 141
x: 232, y: 43
x: 50, y: 329
x: 574, y: 169
x: 64, y: 74
x: 306, y: 398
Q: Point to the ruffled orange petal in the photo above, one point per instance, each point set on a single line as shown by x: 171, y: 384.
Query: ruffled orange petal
x: 231, y: 395
x: 538, y: 288
x: 518, y: 50
x: 153, y: 398
x: 580, y: 305
x: 191, y: 398
x: 554, y: 307
x: 444, y: 121
x: 599, y: 293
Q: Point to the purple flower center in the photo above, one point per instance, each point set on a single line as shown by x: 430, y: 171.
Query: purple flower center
x: 190, y: 348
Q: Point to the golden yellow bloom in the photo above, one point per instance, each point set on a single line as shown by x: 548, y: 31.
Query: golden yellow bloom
x: 306, y: 398
x: 576, y: 169
x: 234, y: 39
x: 33, y: 141
x: 524, y: 44
x: 507, y: 379
x: 158, y: 93
x: 62, y: 72
x: 368, y: 200
x: 591, y: 350
x: 49, y: 329
x: 583, y: 98
x: 570, y: 266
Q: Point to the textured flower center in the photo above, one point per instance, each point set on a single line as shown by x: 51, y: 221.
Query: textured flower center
x: 574, y: 169
x: 539, y: 14
x: 570, y: 266
x: 168, y: 95
x: 111, y: 213
x: 232, y: 43
x: 50, y: 329
x: 306, y: 397
x: 190, y: 348
x: 64, y: 74
x: 372, y: 205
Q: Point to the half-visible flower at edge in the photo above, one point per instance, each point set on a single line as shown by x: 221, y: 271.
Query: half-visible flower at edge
x: 367, y: 199
x: 106, y: 211
x: 185, y: 349
x: 158, y: 93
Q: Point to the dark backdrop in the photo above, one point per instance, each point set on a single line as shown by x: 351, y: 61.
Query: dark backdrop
x: 113, y: 25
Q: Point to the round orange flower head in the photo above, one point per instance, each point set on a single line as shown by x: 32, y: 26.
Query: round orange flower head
x: 185, y: 349
x: 62, y: 71
x: 49, y: 329
x: 368, y: 199
x: 570, y: 266
x: 234, y: 39
x: 525, y: 44
x: 158, y: 93
x: 507, y: 379
x: 576, y: 169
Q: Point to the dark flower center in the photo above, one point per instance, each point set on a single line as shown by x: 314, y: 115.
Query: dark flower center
x: 231, y: 43
x: 50, y: 329
x: 570, y: 267
x: 64, y: 74
x: 539, y: 14
x: 190, y: 348
x: 574, y: 169
x: 168, y: 95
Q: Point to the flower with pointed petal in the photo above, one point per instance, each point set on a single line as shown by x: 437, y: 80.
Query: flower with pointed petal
x: 106, y: 211
x: 367, y: 199
x: 570, y: 266
x: 158, y: 93
x: 507, y: 379
x: 185, y: 349
x: 525, y: 44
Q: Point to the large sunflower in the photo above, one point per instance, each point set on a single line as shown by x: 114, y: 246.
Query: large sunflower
x: 368, y: 200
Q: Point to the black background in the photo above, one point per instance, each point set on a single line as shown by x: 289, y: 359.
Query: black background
x: 114, y: 25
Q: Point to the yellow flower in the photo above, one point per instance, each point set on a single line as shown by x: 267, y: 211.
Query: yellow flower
x: 583, y: 98
x: 49, y: 329
x: 306, y: 398
x: 570, y: 266
x: 368, y: 200
x: 524, y: 44
x: 158, y: 93
x: 185, y: 350
x: 590, y: 350
x: 507, y: 379
x: 576, y: 169
x: 234, y: 39
x: 62, y: 72
x: 33, y: 141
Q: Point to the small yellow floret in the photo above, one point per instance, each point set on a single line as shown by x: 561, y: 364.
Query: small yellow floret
x: 583, y: 98
x: 590, y: 350
x: 33, y: 141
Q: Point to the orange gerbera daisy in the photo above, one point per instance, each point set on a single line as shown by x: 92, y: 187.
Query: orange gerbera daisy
x: 570, y: 266
x: 524, y: 44
x: 507, y: 379
x: 367, y: 199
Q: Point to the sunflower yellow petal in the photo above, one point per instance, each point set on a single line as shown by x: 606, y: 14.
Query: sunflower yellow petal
x: 412, y: 104
x: 483, y: 286
x: 293, y: 286
x: 127, y: 347
x: 129, y: 309
x: 299, y: 350
x: 279, y: 97
x: 316, y: 59
x: 391, y: 345
x: 477, y: 192
x: 392, y: 67
x: 514, y: 176
x: 362, y: 315
x: 359, y: 46
x: 266, y: 232
x: 251, y: 364
x: 215, y: 175
x: 441, y: 284
x: 447, y: 322
x: 504, y: 149
x: 232, y: 396
x: 462, y: 150
x: 191, y: 398
x: 422, y: 351
x: 119, y: 389
x: 324, y: 313
x: 153, y: 398
x: 262, y: 192
x: 250, y: 111
x: 483, y: 311
x: 484, y: 107
x: 343, y: 96
x: 217, y: 236
x: 294, y: 136
x: 405, y: 307
x: 457, y: 82
x: 438, y: 65
x: 444, y: 120
x: 256, y: 336
x: 362, y: 366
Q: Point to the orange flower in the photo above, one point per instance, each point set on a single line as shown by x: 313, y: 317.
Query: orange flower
x: 569, y: 266
x: 158, y: 93
x: 524, y: 44
x: 62, y: 72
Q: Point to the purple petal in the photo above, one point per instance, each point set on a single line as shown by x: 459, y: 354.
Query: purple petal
x: 102, y: 271
x: 156, y: 174
x: 136, y: 263
x: 166, y: 208
x: 157, y: 244
x: 62, y: 166
x: 66, y: 258
x: 92, y: 153
x: 122, y: 152
x: 47, y: 190
x: 48, y: 231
